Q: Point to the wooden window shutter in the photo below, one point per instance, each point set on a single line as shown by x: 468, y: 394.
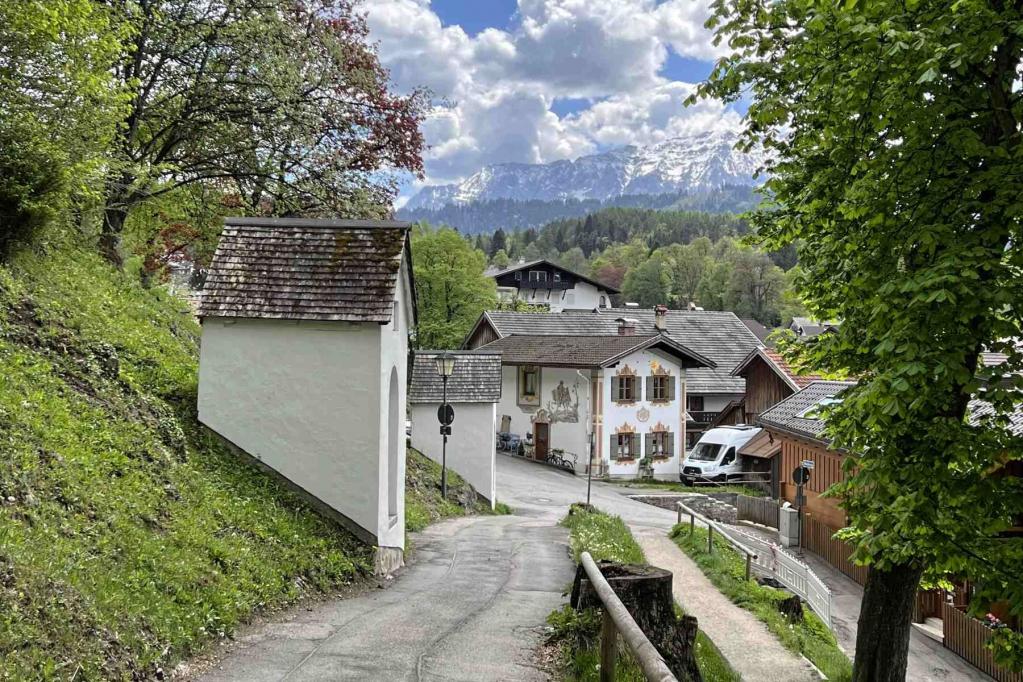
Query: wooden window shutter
x: 614, y: 389
x: 669, y: 443
x: 648, y: 446
x: 614, y: 446
x: 670, y: 395
x: 649, y: 382
x: 635, y: 445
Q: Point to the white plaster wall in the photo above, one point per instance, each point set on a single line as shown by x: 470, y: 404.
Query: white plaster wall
x: 302, y: 397
x: 617, y: 414
x: 393, y: 340
x: 715, y: 402
x: 568, y: 436
x: 584, y: 296
x: 472, y: 445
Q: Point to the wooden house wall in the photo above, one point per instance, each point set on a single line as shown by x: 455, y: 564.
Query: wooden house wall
x: 764, y: 389
x: 827, y: 471
x: 482, y: 336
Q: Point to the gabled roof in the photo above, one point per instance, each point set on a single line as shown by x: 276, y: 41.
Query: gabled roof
x: 790, y: 415
x: 585, y: 352
x: 718, y: 336
x: 497, y: 272
x: 777, y: 363
x: 807, y: 326
x: 476, y: 378
x: 302, y: 269
x: 759, y: 330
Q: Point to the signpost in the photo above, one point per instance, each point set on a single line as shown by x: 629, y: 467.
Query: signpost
x: 800, y: 476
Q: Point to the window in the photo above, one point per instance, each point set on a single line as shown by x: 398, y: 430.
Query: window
x: 623, y: 389
x: 624, y: 446
x: 729, y: 457
x: 603, y: 301
x: 660, y: 389
x: 537, y: 276
x: 705, y: 452
x: 694, y: 403
x: 518, y: 276
x: 660, y: 444
x: 557, y: 276
x: 529, y: 385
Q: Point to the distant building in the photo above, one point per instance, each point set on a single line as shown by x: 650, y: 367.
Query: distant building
x: 544, y: 283
x: 625, y: 391
x: 717, y: 336
x: 759, y: 330
x: 305, y: 328
x: 809, y: 327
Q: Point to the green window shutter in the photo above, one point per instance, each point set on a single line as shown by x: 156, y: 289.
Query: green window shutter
x: 648, y: 445
x: 671, y: 388
x: 670, y: 445
x: 614, y: 389
x: 649, y: 381
x: 614, y: 447
x: 635, y: 445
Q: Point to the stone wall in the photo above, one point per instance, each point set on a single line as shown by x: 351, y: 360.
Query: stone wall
x: 716, y: 506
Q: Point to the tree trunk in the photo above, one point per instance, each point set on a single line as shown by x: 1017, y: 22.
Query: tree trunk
x: 886, y: 616
x: 647, y: 595
x: 110, y: 236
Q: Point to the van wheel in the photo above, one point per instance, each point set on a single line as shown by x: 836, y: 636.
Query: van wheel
x: 723, y: 478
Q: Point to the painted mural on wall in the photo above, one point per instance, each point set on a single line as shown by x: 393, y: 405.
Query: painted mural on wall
x: 564, y: 404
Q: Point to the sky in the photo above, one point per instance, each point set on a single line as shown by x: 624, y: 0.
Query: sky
x: 534, y: 81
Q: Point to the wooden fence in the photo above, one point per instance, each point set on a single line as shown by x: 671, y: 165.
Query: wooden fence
x: 817, y: 538
x: 762, y: 510
x: 967, y: 636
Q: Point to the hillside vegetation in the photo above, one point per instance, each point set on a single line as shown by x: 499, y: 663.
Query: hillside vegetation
x: 128, y: 537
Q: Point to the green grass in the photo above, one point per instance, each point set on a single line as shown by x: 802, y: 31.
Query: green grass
x: 423, y: 502
x: 129, y: 537
x: 727, y: 571
x: 607, y: 537
x: 679, y: 487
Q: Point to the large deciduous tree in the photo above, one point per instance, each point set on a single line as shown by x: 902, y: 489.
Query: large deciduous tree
x: 451, y: 287
x: 897, y: 163
x: 58, y: 108
x: 283, y: 103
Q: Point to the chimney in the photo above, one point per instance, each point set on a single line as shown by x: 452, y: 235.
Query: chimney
x: 626, y: 326
x: 660, y: 316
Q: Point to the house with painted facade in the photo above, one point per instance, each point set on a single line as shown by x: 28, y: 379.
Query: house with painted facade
x: 716, y: 335
x: 616, y: 400
x: 305, y: 327
x: 473, y: 391
x: 546, y: 284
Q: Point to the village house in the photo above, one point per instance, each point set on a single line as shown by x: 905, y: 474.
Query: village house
x: 623, y: 393
x: 543, y: 283
x: 473, y: 391
x: 718, y: 336
x: 305, y: 327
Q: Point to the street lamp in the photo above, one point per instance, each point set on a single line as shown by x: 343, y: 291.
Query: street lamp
x: 445, y: 363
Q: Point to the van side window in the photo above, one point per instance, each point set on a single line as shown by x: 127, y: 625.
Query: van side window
x: 729, y: 457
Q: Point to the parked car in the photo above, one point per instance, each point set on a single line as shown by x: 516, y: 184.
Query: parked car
x: 715, y: 456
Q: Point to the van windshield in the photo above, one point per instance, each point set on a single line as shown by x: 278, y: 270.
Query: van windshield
x: 705, y: 452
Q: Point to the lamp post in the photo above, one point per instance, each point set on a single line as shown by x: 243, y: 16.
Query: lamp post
x: 445, y: 366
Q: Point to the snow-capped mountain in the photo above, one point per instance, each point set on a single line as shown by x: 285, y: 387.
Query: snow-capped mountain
x: 688, y: 164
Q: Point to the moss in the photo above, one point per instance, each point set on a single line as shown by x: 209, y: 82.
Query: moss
x: 128, y: 536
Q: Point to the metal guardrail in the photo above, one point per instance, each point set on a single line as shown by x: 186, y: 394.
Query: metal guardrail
x: 787, y: 569
x: 617, y: 620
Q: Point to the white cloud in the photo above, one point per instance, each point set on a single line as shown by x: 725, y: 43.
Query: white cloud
x: 495, y: 89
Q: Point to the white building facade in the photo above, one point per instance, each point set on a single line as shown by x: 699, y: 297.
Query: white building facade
x: 303, y: 363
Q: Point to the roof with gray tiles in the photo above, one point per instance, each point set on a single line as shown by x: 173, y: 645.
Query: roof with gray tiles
x: 301, y: 269
x: 786, y: 414
x: 980, y: 411
x: 584, y: 351
x: 718, y: 336
x: 476, y: 378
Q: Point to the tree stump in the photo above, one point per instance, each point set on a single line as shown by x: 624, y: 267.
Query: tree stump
x: 646, y: 593
x: 792, y: 608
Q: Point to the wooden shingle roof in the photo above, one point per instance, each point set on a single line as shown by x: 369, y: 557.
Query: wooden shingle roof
x: 301, y: 269
x: 583, y: 352
x: 476, y: 378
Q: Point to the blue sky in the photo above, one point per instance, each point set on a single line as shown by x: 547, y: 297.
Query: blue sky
x: 533, y: 81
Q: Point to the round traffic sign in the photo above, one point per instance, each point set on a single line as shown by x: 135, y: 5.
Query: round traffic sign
x: 445, y: 414
x: 801, y: 475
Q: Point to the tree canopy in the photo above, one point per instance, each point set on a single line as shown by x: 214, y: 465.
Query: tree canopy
x: 894, y: 130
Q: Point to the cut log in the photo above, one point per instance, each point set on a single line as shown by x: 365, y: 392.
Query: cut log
x: 792, y: 608
x: 646, y: 593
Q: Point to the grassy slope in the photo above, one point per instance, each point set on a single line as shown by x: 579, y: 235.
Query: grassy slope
x: 423, y: 502
x: 607, y: 537
x: 727, y: 570
x: 127, y: 537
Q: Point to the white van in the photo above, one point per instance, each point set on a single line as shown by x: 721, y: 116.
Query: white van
x: 716, y: 456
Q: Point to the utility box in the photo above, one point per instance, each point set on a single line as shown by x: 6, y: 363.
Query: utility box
x: 788, y: 526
